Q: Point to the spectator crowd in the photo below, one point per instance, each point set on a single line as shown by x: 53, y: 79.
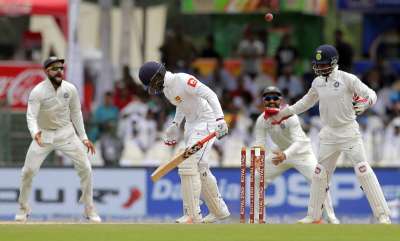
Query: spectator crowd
x: 128, y: 125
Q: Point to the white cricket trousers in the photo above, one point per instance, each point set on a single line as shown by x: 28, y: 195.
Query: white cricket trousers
x: 66, y: 141
x: 352, y: 150
x: 305, y: 164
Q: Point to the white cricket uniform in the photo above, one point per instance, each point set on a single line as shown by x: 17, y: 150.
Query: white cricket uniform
x: 56, y: 113
x: 339, y: 134
x: 200, y: 106
x: 291, y: 139
x: 340, y: 131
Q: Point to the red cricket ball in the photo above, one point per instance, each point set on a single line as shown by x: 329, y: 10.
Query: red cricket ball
x: 269, y: 17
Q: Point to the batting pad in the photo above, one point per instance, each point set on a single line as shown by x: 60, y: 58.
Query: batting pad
x: 330, y: 212
x: 191, y: 188
x: 372, y: 189
x: 319, y: 188
x: 211, y: 195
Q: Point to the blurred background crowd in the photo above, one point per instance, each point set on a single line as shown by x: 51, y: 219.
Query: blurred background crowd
x: 235, y: 54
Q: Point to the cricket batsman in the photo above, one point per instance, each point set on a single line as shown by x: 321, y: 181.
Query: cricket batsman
x: 53, y: 115
x: 342, y: 96
x: 294, y: 146
x: 200, y: 106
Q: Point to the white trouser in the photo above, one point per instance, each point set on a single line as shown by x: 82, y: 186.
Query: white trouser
x: 305, y: 164
x: 66, y: 141
x: 353, y: 151
x: 195, y: 171
x: 329, y: 153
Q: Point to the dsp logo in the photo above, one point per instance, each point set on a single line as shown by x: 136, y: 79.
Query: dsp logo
x: 135, y: 195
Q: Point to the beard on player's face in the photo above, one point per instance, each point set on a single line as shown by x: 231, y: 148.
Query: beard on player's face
x: 272, y: 104
x: 56, y: 80
x: 55, y: 77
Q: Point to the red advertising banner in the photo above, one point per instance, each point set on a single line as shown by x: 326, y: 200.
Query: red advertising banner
x: 17, y: 79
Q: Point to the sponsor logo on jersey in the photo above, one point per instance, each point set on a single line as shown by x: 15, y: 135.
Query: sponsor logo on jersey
x: 66, y: 95
x: 192, y: 82
x: 178, y: 99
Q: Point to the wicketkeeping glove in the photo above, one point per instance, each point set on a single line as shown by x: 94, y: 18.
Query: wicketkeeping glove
x: 171, y: 134
x: 360, y: 104
x: 269, y: 111
x: 222, y: 128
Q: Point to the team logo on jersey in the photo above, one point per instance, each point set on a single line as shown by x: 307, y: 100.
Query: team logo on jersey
x: 66, y: 95
x: 362, y: 169
x: 178, y: 99
x: 318, y: 55
x: 336, y: 84
x: 317, y: 170
x: 282, y: 126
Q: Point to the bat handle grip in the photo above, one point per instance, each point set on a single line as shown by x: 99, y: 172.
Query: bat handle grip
x: 207, y: 138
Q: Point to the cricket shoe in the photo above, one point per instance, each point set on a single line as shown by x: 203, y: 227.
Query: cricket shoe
x: 185, y: 219
x: 333, y: 220
x: 23, y: 214
x: 309, y: 220
x: 384, y: 219
x: 223, y: 213
x: 91, y: 215
x: 211, y: 218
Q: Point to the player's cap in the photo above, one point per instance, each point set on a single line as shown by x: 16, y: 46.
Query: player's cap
x: 51, y: 60
x: 272, y: 90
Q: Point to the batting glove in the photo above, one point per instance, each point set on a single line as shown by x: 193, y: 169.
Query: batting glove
x: 171, y: 134
x: 360, y: 104
x: 222, y: 128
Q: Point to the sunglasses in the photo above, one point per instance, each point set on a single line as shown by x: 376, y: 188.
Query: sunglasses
x: 274, y: 98
x: 56, y: 68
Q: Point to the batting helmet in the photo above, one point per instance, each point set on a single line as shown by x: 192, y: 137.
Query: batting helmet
x: 152, y: 76
x: 325, y: 55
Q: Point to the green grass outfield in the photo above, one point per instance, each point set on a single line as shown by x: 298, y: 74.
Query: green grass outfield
x: 205, y: 232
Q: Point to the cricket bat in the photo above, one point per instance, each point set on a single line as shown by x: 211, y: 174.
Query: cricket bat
x: 178, y: 159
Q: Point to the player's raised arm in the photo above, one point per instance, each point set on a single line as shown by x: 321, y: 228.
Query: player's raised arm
x: 304, y: 103
x: 299, y: 107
